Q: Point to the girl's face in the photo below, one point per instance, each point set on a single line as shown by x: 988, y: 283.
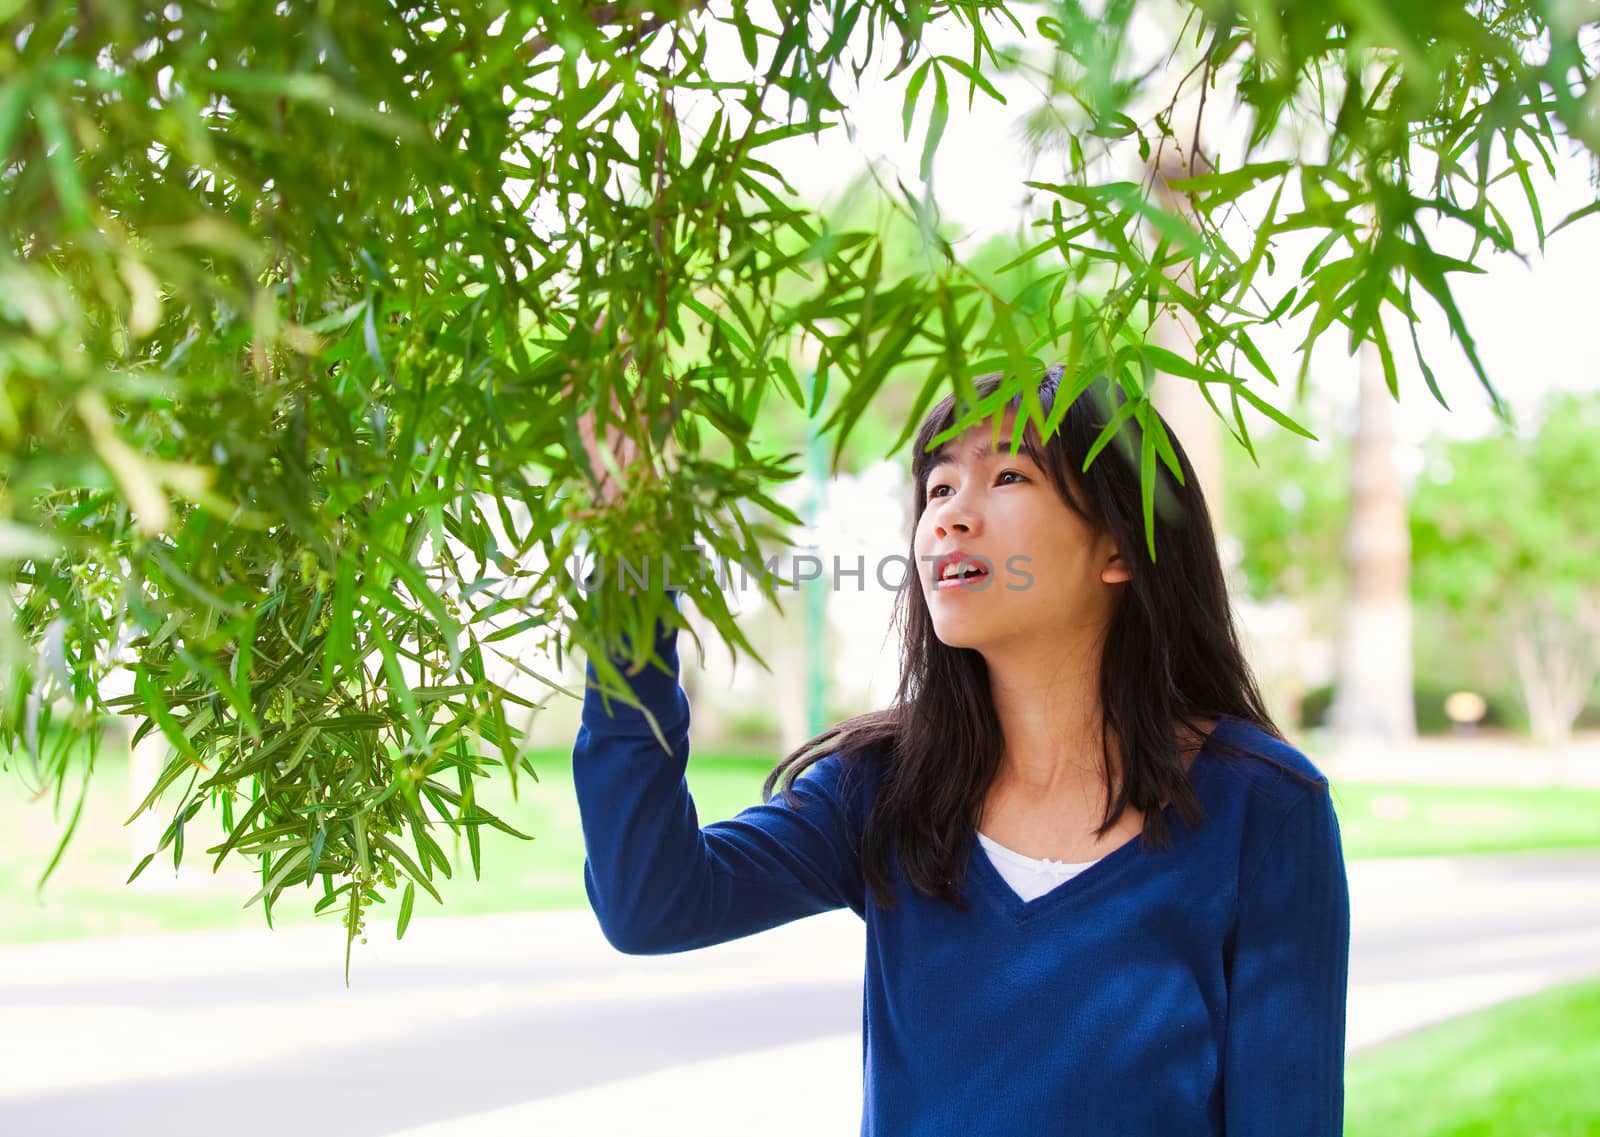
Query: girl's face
x: 1049, y: 574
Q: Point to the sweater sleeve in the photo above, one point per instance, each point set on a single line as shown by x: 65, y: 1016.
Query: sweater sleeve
x: 1283, y: 1064
x: 657, y: 880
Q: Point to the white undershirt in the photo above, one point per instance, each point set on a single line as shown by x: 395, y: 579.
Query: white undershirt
x: 1030, y: 877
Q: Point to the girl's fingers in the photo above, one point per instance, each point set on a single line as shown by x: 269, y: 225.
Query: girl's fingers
x: 620, y: 442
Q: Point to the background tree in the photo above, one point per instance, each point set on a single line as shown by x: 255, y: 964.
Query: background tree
x: 1373, y: 690
x: 1506, y: 535
x: 290, y: 295
x: 1287, y: 515
x: 1285, y: 508
x: 1180, y: 401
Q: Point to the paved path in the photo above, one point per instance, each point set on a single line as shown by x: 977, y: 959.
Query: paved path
x: 533, y: 1025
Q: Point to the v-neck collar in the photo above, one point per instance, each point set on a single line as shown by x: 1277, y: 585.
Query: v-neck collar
x: 1093, y: 879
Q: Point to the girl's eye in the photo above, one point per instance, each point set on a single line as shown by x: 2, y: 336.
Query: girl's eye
x: 933, y: 491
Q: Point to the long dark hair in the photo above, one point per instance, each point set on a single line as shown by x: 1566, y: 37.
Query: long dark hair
x: 1171, y: 654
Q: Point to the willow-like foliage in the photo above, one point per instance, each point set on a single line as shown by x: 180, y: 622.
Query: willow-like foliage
x: 299, y: 302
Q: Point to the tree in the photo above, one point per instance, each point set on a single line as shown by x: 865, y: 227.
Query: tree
x: 1506, y: 533
x: 1182, y: 403
x: 289, y: 295
x: 1287, y: 516
x: 1373, y: 690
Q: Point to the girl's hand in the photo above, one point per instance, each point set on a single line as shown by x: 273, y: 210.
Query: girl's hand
x: 622, y: 446
x: 634, y: 492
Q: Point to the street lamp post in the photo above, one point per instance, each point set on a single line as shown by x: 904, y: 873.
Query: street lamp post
x: 816, y: 598
x: 816, y: 590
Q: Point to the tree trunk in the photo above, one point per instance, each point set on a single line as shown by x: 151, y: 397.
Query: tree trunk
x: 1555, y: 670
x: 1191, y: 418
x: 1373, y: 695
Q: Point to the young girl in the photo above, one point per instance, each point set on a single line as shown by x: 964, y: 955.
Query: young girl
x: 1102, y: 894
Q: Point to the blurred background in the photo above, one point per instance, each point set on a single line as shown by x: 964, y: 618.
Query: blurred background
x: 1420, y: 592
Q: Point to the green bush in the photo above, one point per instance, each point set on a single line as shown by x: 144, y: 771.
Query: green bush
x: 755, y: 726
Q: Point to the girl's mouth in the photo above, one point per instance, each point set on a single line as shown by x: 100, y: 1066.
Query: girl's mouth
x: 974, y: 573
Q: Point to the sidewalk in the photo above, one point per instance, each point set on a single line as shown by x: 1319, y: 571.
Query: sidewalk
x: 1489, y: 759
x: 1390, y: 900
x: 481, y: 1026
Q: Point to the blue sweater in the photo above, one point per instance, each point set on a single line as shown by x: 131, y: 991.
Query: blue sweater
x: 1197, y: 990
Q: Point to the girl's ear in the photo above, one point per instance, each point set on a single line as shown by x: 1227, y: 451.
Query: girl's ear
x: 1116, y: 570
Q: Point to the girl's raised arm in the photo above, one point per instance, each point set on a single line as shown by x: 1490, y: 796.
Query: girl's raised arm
x: 658, y: 881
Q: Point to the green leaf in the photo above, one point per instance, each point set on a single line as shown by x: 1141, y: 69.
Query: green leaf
x: 143, y: 864
x: 369, y: 333
x: 1122, y: 414
x: 70, y: 191
x: 317, y: 842
x: 1172, y: 363
x: 913, y: 89
x: 974, y: 78
x: 240, y: 830
x: 14, y: 95
x: 1577, y: 215
x: 1272, y: 412
x: 1253, y: 354
x: 409, y: 865
x: 1147, y: 477
x: 425, y: 594
x: 1220, y: 188
x: 358, y: 828
x: 72, y: 827
x: 288, y: 865
x: 1428, y: 269
x: 936, y: 124
x: 407, y: 901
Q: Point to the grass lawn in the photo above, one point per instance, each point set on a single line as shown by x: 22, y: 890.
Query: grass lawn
x: 1529, y: 1067
x: 87, y: 895
x: 1390, y: 820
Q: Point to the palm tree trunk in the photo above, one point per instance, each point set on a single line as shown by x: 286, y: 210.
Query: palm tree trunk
x: 1373, y: 693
